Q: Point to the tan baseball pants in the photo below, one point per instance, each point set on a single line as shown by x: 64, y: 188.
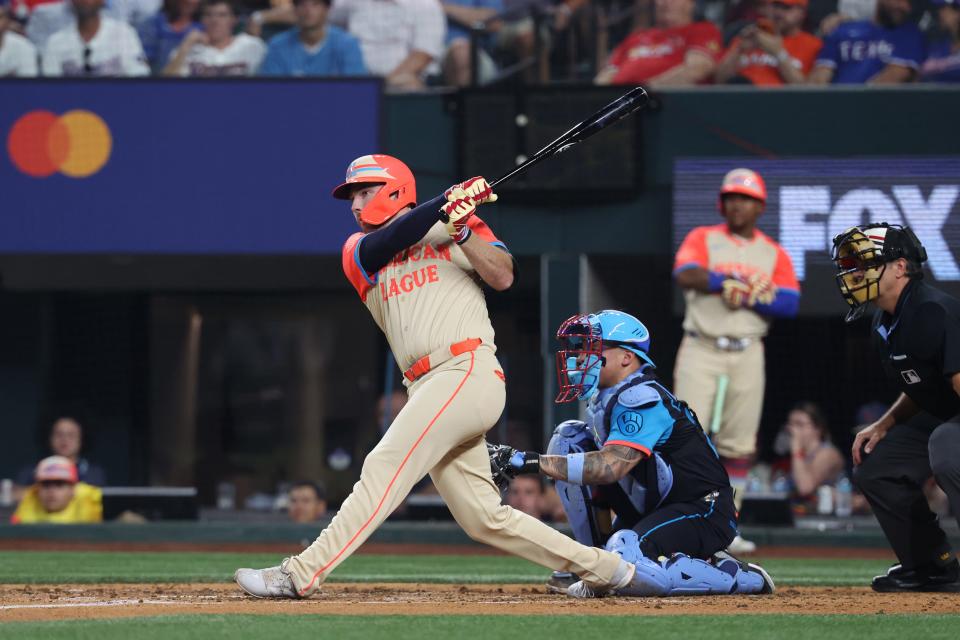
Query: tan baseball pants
x: 699, y: 364
x: 441, y: 431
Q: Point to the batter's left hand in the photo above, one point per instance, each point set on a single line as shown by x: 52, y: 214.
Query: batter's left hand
x: 735, y: 294
x: 456, y: 212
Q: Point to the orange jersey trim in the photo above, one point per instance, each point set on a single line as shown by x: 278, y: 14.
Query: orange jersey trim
x: 361, y: 281
x: 632, y: 445
x: 393, y: 479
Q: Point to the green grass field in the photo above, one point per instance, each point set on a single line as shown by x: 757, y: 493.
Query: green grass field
x: 110, y: 567
x: 788, y: 627
x: 90, y: 567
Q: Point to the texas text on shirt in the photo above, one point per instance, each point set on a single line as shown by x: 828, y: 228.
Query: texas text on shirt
x: 648, y: 53
x: 241, y: 57
x: 718, y: 251
x: 857, y: 51
x: 399, y: 296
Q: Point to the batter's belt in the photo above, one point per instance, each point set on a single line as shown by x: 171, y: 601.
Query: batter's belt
x: 426, y: 363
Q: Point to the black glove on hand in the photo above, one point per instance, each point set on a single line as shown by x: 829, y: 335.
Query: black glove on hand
x: 506, y: 463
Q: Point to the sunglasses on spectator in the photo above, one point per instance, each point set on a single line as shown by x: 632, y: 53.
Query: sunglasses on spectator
x: 87, y: 65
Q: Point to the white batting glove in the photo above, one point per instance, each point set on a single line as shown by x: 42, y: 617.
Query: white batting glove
x: 478, y: 189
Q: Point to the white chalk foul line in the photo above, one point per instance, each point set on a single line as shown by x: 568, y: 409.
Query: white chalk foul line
x: 72, y: 605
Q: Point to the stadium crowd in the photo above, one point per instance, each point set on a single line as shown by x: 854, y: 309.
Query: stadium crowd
x: 416, y: 44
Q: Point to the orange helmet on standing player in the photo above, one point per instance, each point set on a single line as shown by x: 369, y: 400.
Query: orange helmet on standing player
x: 745, y: 182
x: 399, y: 187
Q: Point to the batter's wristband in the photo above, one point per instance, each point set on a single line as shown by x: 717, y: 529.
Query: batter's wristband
x: 575, y: 468
x: 463, y: 236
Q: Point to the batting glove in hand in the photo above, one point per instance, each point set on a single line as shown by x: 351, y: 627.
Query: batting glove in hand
x: 456, y: 212
x: 506, y: 463
x: 477, y: 188
x: 735, y: 293
x: 762, y: 290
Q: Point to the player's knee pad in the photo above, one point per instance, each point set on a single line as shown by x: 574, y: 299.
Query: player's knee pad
x: 571, y: 436
x: 626, y: 544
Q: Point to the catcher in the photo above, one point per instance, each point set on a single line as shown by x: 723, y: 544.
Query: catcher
x: 642, y: 454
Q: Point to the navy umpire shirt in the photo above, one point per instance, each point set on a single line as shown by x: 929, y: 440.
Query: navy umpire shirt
x: 919, y: 345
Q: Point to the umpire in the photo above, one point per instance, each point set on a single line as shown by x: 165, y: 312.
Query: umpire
x: 916, y: 330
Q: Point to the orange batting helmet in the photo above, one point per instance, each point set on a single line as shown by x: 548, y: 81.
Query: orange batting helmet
x: 399, y: 187
x: 745, y: 182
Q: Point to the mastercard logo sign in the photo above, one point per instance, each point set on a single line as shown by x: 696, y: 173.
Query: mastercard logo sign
x: 76, y: 144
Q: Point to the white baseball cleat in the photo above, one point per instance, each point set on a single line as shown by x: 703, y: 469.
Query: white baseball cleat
x: 741, y: 546
x: 621, y: 579
x: 272, y: 582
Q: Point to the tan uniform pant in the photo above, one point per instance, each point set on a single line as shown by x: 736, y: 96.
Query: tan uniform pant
x: 441, y: 430
x: 699, y: 365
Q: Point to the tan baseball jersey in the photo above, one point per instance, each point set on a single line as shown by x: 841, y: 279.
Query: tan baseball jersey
x: 715, y: 249
x: 403, y: 297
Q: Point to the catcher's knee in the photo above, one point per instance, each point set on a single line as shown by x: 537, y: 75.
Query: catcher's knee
x: 571, y: 436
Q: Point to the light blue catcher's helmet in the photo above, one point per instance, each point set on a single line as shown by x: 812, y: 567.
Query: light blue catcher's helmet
x: 583, y: 338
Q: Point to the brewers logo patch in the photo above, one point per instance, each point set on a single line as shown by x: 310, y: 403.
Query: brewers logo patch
x: 630, y: 423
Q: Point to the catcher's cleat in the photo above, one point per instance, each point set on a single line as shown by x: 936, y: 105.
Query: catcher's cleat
x: 272, y: 582
x: 740, y: 545
x: 560, y: 581
x: 758, y: 575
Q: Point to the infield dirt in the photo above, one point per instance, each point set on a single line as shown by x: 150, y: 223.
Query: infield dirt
x: 73, y: 602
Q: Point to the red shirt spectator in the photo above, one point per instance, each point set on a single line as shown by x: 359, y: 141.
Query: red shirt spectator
x: 675, y: 52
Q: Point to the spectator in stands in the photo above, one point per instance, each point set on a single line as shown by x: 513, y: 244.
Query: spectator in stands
x: 514, y: 37
x: 461, y: 15
x: 887, y: 50
x: 313, y: 47
x: 57, y: 496
x: 66, y: 440
x: 772, y: 51
x: 401, y: 41
x: 676, y: 52
x: 814, y: 461
x: 215, y: 51
x: 307, y: 502
x: 50, y: 17
x: 530, y: 495
x: 94, y: 45
x: 164, y: 32
x: 18, y: 57
x: 943, y: 61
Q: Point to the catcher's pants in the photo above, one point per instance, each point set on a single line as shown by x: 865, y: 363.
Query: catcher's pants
x: 699, y: 366
x: 441, y: 430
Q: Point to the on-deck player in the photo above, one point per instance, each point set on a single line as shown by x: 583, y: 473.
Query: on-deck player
x: 736, y: 280
x: 420, y: 279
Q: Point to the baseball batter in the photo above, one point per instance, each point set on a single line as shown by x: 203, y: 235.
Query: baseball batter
x: 735, y: 279
x: 420, y: 277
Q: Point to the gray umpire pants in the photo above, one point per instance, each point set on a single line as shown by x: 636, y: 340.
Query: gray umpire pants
x: 892, y: 478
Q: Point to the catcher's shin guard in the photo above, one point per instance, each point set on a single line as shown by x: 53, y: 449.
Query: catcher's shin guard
x: 682, y: 575
x: 572, y: 437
